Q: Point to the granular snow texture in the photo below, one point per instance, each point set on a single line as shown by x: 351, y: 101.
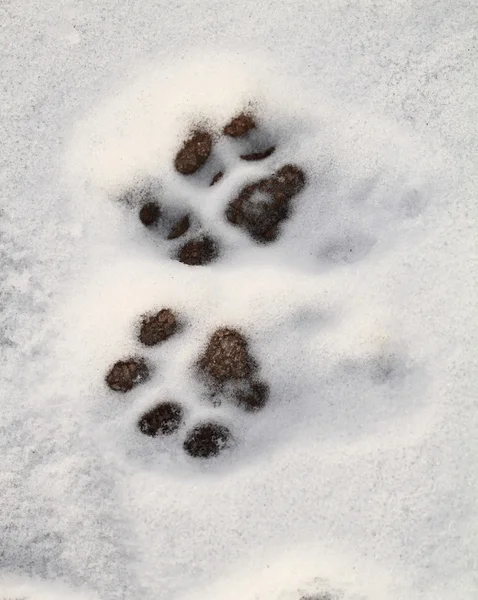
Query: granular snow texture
x: 356, y: 479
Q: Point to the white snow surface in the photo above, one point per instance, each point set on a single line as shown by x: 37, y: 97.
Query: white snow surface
x: 358, y: 480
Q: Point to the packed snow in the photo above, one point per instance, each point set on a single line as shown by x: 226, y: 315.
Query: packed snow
x: 357, y: 480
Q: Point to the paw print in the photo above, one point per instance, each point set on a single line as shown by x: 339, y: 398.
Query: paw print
x: 258, y: 208
x: 254, y: 196
x: 225, y: 367
x: 262, y: 206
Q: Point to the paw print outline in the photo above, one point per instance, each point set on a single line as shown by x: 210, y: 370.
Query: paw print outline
x: 259, y: 209
x: 225, y: 366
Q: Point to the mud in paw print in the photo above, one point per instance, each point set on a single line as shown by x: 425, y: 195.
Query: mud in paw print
x: 225, y: 366
x: 172, y: 225
x: 230, y: 371
x: 164, y: 419
x: 259, y: 209
x: 261, y: 206
x: 191, y: 243
x: 126, y: 374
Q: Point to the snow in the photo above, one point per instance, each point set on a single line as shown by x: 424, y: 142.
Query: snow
x: 358, y: 479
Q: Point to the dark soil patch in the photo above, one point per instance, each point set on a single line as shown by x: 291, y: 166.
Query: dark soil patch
x: 149, y: 214
x: 239, y: 126
x: 165, y: 419
x: 179, y: 228
x: 198, y: 251
x: 207, y: 440
x: 158, y: 328
x: 258, y: 155
x: 217, y: 177
x: 227, y: 357
x: 288, y: 181
x: 126, y: 374
x: 262, y: 206
x: 254, y: 397
x: 194, y: 153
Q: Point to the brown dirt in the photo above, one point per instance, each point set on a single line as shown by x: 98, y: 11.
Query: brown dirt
x: 262, y: 206
x: 198, y: 251
x: 165, y: 419
x: 258, y: 155
x: 254, y: 397
x: 289, y: 181
x: 239, y: 125
x: 149, y: 214
x: 217, y: 177
x: 179, y: 228
x: 207, y: 440
x: 158, y: 328
x: 126, y: 374
x: 226, y: 356
x: 194, y: 153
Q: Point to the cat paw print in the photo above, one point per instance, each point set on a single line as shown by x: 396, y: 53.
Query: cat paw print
x: 206, y: 158
x: 225, y: 367
x: 232, y: 186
